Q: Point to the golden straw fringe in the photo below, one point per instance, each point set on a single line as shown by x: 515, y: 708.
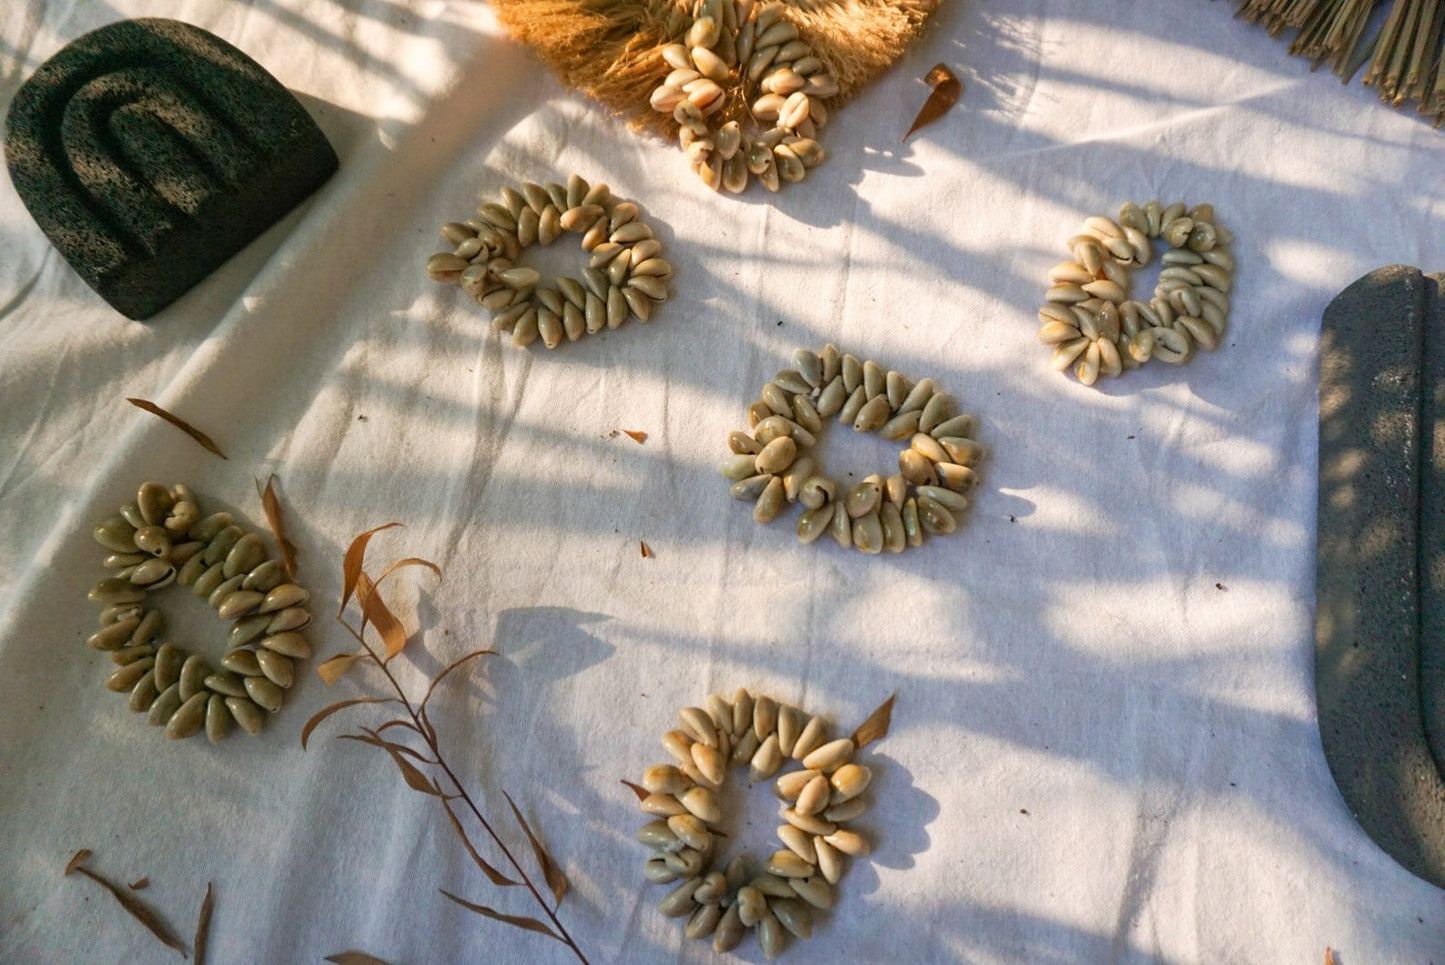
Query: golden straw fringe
x: 611, y: 49
x: 1401, y: 41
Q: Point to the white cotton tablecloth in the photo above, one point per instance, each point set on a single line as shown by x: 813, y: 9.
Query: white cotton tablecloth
x: 1105, y: 744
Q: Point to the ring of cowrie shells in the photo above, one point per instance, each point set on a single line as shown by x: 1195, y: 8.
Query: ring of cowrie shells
x: 819, y: 797
x: 163, y: 538
x: 1089, y: 316
x: 625, y: 274
x: 772, y: 465
x: 741, y: 66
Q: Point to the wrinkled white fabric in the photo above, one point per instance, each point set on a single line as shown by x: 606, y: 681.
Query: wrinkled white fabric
x: 1105, y: 744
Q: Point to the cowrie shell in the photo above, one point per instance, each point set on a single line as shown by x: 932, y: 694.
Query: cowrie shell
x: 1096, y: 331
x: 221, y: 562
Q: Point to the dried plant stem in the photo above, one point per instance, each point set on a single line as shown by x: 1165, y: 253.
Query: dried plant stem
x: 1404, y: 52
x: 428, y: 735
x: 138, y: 909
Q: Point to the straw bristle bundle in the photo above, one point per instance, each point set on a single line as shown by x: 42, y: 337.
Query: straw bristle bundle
x: 611, y: 49
x: 1403, y: 48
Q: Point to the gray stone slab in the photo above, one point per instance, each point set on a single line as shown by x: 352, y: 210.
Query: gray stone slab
x: 150, y: 151
x: 1380, y: 574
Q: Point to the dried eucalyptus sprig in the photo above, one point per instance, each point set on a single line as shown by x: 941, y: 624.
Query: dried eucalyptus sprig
x: 179, y: 423
x: 418, y: 754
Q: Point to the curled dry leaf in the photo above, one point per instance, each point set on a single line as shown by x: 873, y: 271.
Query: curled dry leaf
x: 375, y: 612
x: 415, y: 779
x: 76, y: 860
x: 326, y: 712
x: 488, y: 869
x: 203, y: 927
x: 180, y: 424
x: 332, y: 669
x: 646, y: 550
x: 409, y: 561
x: 138, y: 909
x: 530, y: 924
x: 946, y: 90
x: 351, y: 565
x: 556, y: 880
x: 447, y: 670
x: 271, y: 503
x: 876, y: 726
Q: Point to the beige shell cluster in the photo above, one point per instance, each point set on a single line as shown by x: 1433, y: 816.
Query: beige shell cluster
x: 161, y: 539
x: 818, y: 798
x: 772, y: 465
x: 742, y: 66
x: 625, y: 274
x: 1089, y: 316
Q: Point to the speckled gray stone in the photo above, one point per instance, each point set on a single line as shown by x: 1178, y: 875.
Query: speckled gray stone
x: 1380, y: 575
x: 150, y: 151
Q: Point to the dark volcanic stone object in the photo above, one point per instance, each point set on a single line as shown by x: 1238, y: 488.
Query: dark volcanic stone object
x: 1380, y: 574
x: 150, y: 151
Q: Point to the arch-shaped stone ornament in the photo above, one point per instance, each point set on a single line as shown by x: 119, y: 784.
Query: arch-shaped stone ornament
x: 150, y: 151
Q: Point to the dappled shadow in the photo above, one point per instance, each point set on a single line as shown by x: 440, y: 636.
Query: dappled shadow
x: 1121, y: 628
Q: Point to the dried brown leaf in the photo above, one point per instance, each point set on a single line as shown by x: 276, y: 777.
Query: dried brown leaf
x: 138, y: 909
x: 876, y: 726
x: 375, y: 739
x: 76, y: 860
x: 180, y: 424
x: 139, y: 883
x: 638, y: 789
x: 646, y: 550
x: 332, y: 669
x: 400, y: 722
x: 414, y: 778
x: 203, y: 927
x: 271, y: 503
x: 356, y: 958
x: 409, y: 561
x: 493, y: 875
x: 946, y: 90
x: 446, y: 670
x: 636, y: 435
x: 556, y: 880
x: 326, y: 712
x: 530, y: 924
x: 351, y: 565
x: 375, y: 611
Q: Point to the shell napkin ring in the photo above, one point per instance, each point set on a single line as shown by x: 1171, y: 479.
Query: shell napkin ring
x: 1089, y: 317
x: 747, y: 95
x: 625, y: 274
x: 772, y: 466
x: 819, y: 797
x: 161, y: 539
